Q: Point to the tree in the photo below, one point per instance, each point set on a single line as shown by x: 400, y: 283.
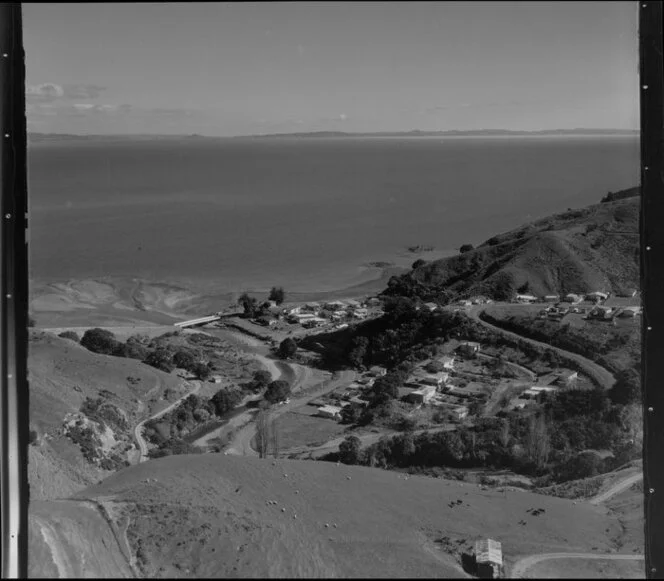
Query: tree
x: 262, y: 433
x: 224, y: 401
x: 261, y: 379
x: 70, y: 335
x: 202, y: 371
x: 160, y: 359
x: 184, y: 360
x: 349, y: 450
x: 466, y: 248
x: 287, y: 348
x: 419, y: 262
x: 627, y: 388
x: 358, y: 351
x: 249, y: 304
x: 277, y: 391
x: 99, y: 341
x: 135, y: 351
x: 388, y: 385
x: 277, y: 295
x: 351, y: 414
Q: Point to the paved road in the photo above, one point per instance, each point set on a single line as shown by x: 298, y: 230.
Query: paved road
x: 590, y: 368
x: 138, y: 430
x: 617, y: 488
x: 521, y: 566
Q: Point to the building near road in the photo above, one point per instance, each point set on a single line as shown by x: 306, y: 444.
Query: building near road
x: 551, y: 298
x: 525, y: 299
x: 376, y: 371
x: 562, y: 377
x: 436, y: 379
x: 330, y: 411
x: 469, y: 348
x: 597, y: 295
x: 430, y: 306
x: 422, y: 395
x: 447, y: 362
x: 572, y: 298
x: 489, y: 559
x: 536, y: 391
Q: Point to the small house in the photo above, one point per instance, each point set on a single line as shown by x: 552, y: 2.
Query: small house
x: 373, y: 302
x: 376, y: 371
x: 551, y: 298
x: 437, y: 380
x: 330, y: 411
x: 630, y: 312
x: 526, y: 299
x: 469, y: 348
x: 359, y: 402
x: 447, y: 362
x: 430, y: 306
x: 215, y: 379
x: 422, y: 395
x: 464, y: 303
x: 360, y: 313
x: 572, y: 298
x: 311, y: 307
x: 597, y: 295
x: 489, y: 559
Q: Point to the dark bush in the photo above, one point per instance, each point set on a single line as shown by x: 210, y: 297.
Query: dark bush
x: 99, y: 341
x: 70, y: 335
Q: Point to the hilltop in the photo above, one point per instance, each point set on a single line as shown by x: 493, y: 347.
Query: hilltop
x: 222, y: 516
x: 582, y: 250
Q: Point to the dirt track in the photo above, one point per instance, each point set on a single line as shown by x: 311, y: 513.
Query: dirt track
x: 138, y: 430
x: 617, y: 488
x: 521, y: 566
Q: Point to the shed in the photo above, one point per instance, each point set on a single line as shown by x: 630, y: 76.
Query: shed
x: 489, y: 559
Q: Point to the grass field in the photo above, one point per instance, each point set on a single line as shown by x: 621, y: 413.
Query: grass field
x: 297, y: 429
x: 217, y: 516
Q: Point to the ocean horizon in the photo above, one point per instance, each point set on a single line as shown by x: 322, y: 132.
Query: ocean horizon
x: 231, y: 215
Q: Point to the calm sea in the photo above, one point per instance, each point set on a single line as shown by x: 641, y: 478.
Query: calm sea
x: 308, y: 214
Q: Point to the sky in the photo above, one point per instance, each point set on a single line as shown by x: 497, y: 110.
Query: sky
x: 223, y: 69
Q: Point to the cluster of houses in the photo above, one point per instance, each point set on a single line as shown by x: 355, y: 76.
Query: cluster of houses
x: 315, y: 314
x: 549, y: 383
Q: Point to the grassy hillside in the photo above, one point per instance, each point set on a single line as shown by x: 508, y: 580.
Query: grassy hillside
x: 222, y: 516
x: 62, y: 375
x: 576, y: 251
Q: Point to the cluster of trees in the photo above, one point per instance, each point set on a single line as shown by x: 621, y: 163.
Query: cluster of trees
x: 254, y: 308
x: 556, y: 443
x: 168, y: 431
x: 154, y: 353
x: 287, y: 348
x: 277, y: 391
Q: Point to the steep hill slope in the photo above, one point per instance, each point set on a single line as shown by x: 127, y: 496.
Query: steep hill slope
x: 579, y: 251
x: 222, y: 516
x: 62, y: 375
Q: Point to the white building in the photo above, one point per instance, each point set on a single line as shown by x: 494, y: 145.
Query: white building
x: 447, y: 362
x: 526, y: 299
x: 330, y: 411
x: 430, y: 306
x: 422, y: 395
x: 597, y: 295
x: 572, y: 298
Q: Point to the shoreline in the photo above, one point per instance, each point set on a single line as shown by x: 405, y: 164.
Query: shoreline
x: 123, y: 302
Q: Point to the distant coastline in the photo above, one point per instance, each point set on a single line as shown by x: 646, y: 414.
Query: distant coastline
x: 577, y: 132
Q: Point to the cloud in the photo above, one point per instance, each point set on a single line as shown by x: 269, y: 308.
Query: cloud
x: 44, y: 93
x: 343, y: 117
x: 52, y: 92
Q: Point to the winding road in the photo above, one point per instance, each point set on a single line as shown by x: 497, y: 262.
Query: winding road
x: 138, y: 430
x: 522, y: 565
x: 600, y: 375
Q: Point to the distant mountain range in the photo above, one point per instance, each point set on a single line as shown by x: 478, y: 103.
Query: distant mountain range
x: 459, y: 133
x: 36, y: 137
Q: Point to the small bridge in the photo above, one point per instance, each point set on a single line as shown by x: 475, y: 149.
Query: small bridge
x: 199, y: 321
